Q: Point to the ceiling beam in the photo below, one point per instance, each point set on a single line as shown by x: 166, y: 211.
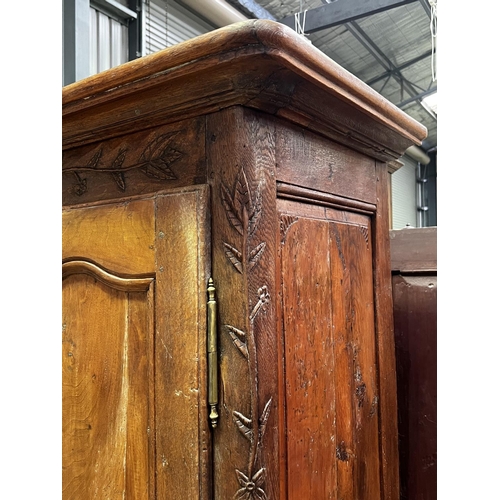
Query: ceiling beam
x: 385, y: 62
x: 401, y: 67
x: 417, y: 97
x: 426, y: 7
x: 257, y: 10
x: 341, y: 12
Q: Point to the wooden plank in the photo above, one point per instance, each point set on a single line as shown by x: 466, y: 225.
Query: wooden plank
x: 357, y: 251
x: 384, y: 331
x: 345, y: 444
x: 137, y: 164
x: 262, y: 64
x: 309, y: 160
x: 182, y: 436
x: 309, y: 362
x: 140, y: 424
x: 109, y: 234
x: 240, y: 150
x: 414, y: 250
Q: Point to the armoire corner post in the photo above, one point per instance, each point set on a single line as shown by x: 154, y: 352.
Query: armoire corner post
x: 246, y: 156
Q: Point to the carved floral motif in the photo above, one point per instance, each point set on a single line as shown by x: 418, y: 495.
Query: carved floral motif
x: 155, y: 162
x: 243, y: 212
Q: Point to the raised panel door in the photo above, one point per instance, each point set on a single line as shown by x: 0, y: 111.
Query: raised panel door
x: 330, y: 394
x: 135, y: 424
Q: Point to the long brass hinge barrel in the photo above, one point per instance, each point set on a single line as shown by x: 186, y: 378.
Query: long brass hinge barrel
x: 213, y: 385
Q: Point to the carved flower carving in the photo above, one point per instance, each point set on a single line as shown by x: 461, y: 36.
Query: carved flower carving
x: 250, y: 488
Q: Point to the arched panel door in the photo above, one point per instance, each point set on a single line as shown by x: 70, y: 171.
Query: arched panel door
x: 107, y: 383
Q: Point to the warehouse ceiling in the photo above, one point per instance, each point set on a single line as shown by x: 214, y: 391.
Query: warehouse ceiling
x: 388, y: 44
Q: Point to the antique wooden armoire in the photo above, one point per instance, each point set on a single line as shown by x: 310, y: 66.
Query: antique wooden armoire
x: 227, y: 314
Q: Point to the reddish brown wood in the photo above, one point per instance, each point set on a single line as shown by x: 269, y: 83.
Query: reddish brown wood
x: 415, y: 330
x: 311, y: 161
x: 384, y: 329
x: 328, y: 327
x: 309, y: 363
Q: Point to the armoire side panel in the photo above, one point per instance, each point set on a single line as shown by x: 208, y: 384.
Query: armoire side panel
x: 330, y: 368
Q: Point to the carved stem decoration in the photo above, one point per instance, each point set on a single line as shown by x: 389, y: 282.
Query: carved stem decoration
x: 243, y: 213
x: 154, y: 162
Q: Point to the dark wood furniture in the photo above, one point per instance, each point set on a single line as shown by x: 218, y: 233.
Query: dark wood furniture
x: 414, y: 281
x: 247, y: 156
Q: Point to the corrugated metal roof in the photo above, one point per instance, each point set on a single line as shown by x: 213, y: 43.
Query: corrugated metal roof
x: 372, y: 46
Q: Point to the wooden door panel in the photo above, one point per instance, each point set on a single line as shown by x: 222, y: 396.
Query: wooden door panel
x: 310, y: 401
x: 356, y: 376
x: 330, y: 373
x: 106, y: 417
x: 135, y: 422
x: 110, y: 234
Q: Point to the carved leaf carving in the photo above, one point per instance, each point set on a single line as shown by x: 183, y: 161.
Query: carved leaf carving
x: 236, y: 336
x: 264, y: 417
x: 234, y: 257
x: 157, y: 147
x: 157, y: 156
x: 81, y: 185
x: 244, y: 425
x: 285, y: 222
x: 256, y: 254
x: 231, y: 212
x: 119, y: 178
x: 94, y: 161
x: 154, y: 162
x: 242, y: 193
x: 256, y: 211
x: 120, y: 158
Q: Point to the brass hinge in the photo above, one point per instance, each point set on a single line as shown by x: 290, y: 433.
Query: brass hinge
x: 213, y: 385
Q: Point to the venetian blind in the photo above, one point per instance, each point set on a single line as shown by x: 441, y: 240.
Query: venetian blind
x: 168, y: 23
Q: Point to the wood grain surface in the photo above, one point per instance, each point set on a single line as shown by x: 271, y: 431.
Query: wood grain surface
x: 240, y: 145
x: 106, y: 345
x: 135, y: 422
x: 249, y: 156
x: 330, y: 360
x: 109, y: 234
x: 143, y: 162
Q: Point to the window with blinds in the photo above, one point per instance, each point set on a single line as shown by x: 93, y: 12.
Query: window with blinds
x: 108, y: 42
x: 168, y: 23
x: 404, y: 194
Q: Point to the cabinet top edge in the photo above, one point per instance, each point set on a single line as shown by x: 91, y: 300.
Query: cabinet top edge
x: 276, y: 45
